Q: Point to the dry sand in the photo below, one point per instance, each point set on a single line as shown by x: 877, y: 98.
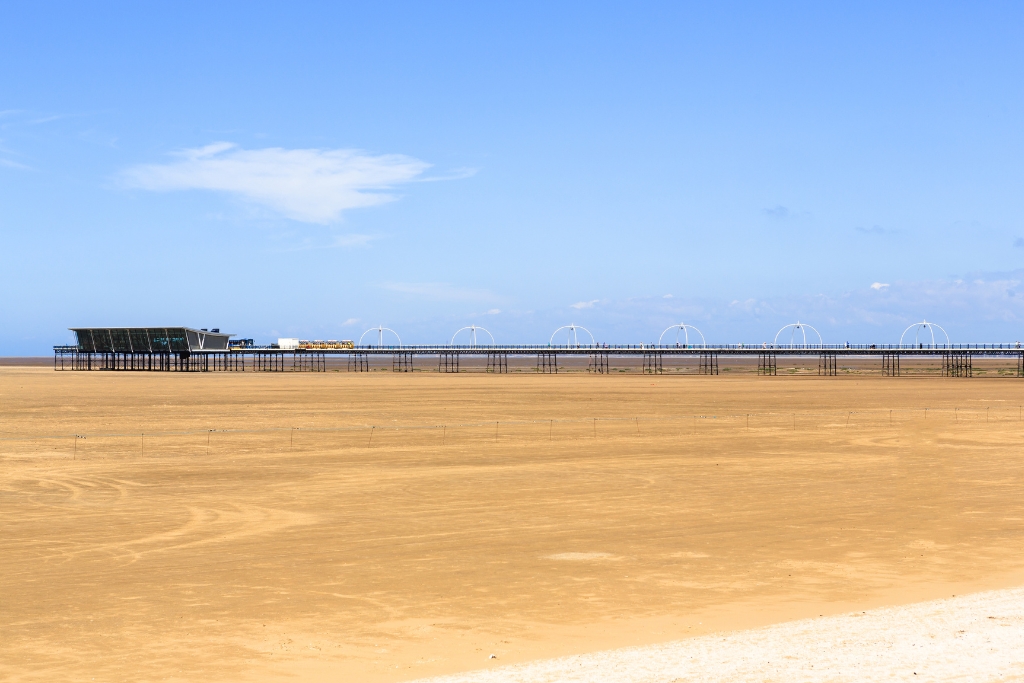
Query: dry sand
x: 973, y: 638
x: 389, y: 527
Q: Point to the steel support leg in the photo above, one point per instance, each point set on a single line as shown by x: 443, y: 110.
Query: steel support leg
x: 547, y: 362
x: 708, y: 363
x: 497, y: 362
x: 652, y: 363
x: 448, y: 361
x: 401, y: 362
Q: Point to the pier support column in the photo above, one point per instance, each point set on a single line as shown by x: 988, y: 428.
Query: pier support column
x: 827, y: 364
x: 767, y: 364
x: 891, y: 364
x: 598, y: 363
x: 309, y: 361
x: 956, y: 364
x: 708, y: 363
x: 547, y: 362
x: 497, y: 362
x: 401, y: 362
x: 448, y: 361
x: 652, y: 363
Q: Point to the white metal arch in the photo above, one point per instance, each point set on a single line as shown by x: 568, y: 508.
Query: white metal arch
x: 803, y: 327
x: 472, y: 334
x: 924, y: 324
x: 572, y: 338
x: 380, y: 330
x: 684, y: 328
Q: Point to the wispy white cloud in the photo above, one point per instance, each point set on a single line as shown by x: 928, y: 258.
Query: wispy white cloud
x: 353, y: 240
x: 456, y: 174
x: 584, y: 304
x: 439, y: 291
x: 47, y: 119
x: 6, y: 153
x: 333, y: 242
x: 309, y: 185
x: 14, y: 164
x: 22, y: 118
x: 979, y: 307
x: 876, y: 230
x: 877, y: 286
x: 351, y: 321
x: 493, y: 311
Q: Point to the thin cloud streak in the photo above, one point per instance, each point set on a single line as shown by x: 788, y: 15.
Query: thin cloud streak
x: 983, y: 307
x: 308, y: 185
x: 14, y: 164
x: 457, y: 174
x: 336, y: 242
x: 439, y: 291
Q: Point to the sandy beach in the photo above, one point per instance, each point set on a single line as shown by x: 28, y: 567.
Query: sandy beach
x: 979, y: 637
x: 383, y: 527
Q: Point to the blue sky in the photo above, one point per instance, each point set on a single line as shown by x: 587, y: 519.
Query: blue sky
x: 313, y: 170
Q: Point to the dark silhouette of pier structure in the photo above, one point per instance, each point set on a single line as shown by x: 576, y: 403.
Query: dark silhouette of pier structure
x: 956, y: 360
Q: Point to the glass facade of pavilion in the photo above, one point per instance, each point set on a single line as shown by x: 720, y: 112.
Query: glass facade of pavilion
x: 157, y: 340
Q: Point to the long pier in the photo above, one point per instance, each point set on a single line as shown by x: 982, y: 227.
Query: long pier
x: 956, y: 359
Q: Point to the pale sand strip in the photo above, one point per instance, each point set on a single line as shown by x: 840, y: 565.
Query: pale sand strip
x: 977, y: 637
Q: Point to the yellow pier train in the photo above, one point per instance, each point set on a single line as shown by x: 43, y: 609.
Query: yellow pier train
x: 325, y: 345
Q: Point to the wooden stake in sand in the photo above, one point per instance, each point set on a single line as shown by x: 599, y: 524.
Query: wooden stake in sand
x: 371, y: 437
